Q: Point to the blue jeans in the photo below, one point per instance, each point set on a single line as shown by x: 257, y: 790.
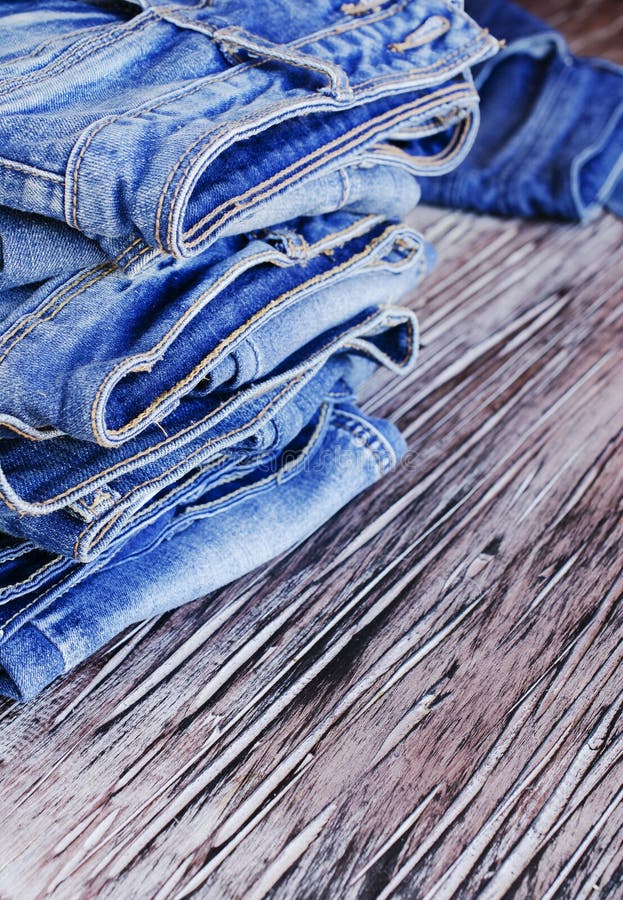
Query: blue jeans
x: 551, y: 135
x: 67, y: 611
x: 74, y: 498
x: 117, y: 354
x: 244, y: 357
x: 165, y: 129
x: 201, y: 253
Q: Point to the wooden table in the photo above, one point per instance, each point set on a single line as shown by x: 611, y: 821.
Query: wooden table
x: 423, y: 700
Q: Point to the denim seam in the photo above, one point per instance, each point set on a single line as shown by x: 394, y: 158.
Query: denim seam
x: 44, y: 600
x: 375, y: 443
x: 182, y: 94
x: 459, y: 136
x: 36, y: 320
x: 149, y: 508
x: 368, y: 442
x: 525, y: 142
x: 59, y: 299
x: 261, y: 120
x: 318, y: 158
x: 589, y: 153
x: 283, y: 474
x: 147, y: 452
x: 355, y: 345
x: 16, y: 430
x: 13, y: 553
x: 336, y: 238
x: 30, y: 171
x: 104, y: 527
x: 30, y: 581
x: 289, y: 386
x: 310, y: 364
x: 97, y: 417
x: 98, y: 425
x: 36, y: 316
x: 76, y: 54
x: 128, y: 265
x: 345, y: 187
x: 44, y: 45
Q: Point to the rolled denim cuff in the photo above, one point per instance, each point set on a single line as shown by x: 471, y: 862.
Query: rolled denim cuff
x: 28, y: 662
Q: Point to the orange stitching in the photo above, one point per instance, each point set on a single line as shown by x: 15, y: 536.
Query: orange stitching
x: 68, y: 59
x: 322, y: 154
x: 67, y: 298
x: 17, y: 430
x: 278, y: 301
x: 426, y: 33
x: 46, y: 302
x: 337, y: 342
x: 225, y: 75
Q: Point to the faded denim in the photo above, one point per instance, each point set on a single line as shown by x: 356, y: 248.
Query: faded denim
x: 200, y: 256
x: 200, y: 114
x: 204, y: 543
x: 116, y: 355
x: 74, y: 498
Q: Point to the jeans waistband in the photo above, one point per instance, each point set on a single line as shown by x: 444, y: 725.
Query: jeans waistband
x: 141, y: 160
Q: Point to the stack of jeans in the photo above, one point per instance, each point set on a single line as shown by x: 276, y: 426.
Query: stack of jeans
x: 202, y: 252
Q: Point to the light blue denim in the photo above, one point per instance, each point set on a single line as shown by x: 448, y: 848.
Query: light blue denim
x: 74, y: 498
x: 203, y: 544
x: 201, y: 254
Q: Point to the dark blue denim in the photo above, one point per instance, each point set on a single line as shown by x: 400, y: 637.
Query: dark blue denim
x: 551, y: 136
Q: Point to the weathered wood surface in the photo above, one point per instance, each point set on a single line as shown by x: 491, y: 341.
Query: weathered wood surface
x: 426, y: 698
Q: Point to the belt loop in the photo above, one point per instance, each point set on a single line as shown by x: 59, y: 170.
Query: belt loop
x: 231, y: 38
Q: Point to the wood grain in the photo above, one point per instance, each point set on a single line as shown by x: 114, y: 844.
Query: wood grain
x: 423, y: 700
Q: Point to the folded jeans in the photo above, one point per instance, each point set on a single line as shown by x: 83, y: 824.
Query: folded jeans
x: 208, y: 543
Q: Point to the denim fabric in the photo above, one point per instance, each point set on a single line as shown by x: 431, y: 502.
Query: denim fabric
x: 200, y: 253
x: 159, y: 128
x: 74, y: 498
x: 551, y: 138
x: 206, y: 543
x: 36, y: 249
x: 102, y: 357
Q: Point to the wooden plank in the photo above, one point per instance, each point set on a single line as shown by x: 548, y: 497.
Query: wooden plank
x: 425, y: 698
